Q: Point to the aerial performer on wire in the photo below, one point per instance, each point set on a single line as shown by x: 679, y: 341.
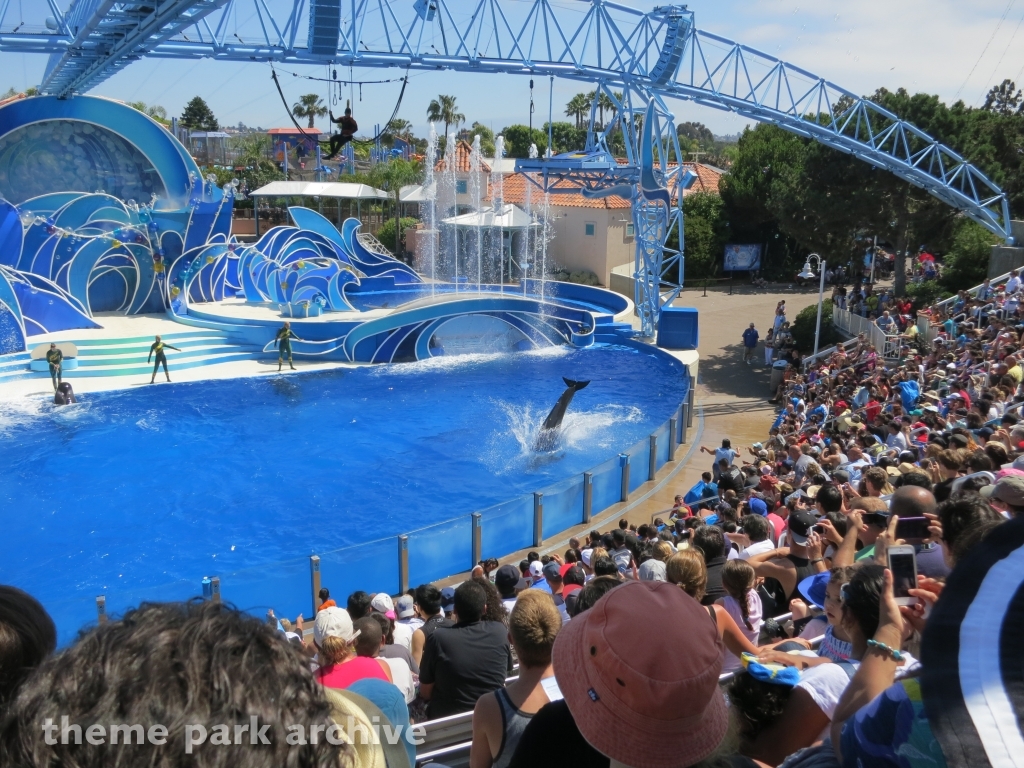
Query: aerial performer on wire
x: 161, y: 358
x: 348, y: 131
x: 283, y: 342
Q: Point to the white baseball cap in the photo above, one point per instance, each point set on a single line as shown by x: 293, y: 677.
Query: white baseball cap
x: 381, y: 603
x: 333, y: 622
x: 537, y: 569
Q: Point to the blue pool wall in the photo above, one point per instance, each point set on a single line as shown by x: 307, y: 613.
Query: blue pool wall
x: 433, y: 552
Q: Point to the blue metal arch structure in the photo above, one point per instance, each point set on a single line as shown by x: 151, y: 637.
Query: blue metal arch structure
x: 651, y: 57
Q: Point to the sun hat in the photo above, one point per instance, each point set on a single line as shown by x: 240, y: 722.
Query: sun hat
x: 1009, y: 490
x: 970, y: 653
x: 405, y: 607
x: 800, y: 523
x: 644, y: 703
x: 813, y: 589
x: 382, y: 603
x: 333, y: 622
x: 506, y: 578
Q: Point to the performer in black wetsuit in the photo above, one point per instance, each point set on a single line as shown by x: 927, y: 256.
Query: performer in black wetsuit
x: 348, y: 130
x: 283, y: 342
x: 54, y: 358
x: 158, y: 347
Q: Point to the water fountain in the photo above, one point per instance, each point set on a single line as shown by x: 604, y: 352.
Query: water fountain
x: 475, y: 179
x: 497, y: 244
x: 448, y: 207
x: 530, y: 251
x: 430, y: 209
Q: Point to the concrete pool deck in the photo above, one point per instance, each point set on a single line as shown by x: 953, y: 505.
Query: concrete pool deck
x: 115, y: 326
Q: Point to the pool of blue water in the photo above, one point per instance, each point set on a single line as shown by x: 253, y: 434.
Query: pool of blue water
x: 158, y: 484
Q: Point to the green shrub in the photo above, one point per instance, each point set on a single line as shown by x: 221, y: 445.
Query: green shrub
x: 580, y: 276
x: 926, y: 293
x: 386, y: 234
x: 803, y: 328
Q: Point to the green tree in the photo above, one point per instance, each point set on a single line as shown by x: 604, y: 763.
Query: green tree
x: 254, y: 152
x: 388, y: 235
x: 310, y: 107
x: 803, y: 328
x: 578, y: 108
x: 518, y: 139
x: 1004, y: 99
x: 966, y: 263
x: 565, y: 137
x: 198, y: 116
x: 704, y: 234
x: 486, y: 138
x: 155, y: 111
x: 398, y: 128
x: 698, y: 131
x: 391, y: 176
x: 443, y: 109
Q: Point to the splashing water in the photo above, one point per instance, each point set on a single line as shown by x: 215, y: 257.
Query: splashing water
x: 430, y: 209
x: 591, y: 429
x: 475, y: 194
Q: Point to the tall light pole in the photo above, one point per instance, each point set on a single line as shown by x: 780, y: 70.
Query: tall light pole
x: 806, y: 273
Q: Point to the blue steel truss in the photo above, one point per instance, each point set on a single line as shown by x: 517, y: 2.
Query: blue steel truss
x: 650, y: 57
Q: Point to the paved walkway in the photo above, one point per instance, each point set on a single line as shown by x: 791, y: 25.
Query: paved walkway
x: 733, y: 396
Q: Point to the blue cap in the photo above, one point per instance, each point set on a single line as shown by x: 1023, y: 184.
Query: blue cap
x: 813, y: 589
x: 448, y: 598
x: 758, y: 507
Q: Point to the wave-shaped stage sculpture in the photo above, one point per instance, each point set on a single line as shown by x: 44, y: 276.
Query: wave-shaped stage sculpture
x: 68, y: 255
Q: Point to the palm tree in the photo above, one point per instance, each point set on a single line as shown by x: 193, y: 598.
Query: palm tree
x: 309, y: 106
x: 444, y: 110
x: 604, y: 102
x: 578, y: 106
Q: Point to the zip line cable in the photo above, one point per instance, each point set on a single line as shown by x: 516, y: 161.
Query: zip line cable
x: 985, y: 49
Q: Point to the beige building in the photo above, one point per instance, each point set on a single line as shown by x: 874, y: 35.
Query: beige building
x: 589, y: 234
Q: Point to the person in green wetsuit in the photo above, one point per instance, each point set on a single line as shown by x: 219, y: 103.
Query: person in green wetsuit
x: 54, y: 357
x: 283, y: 342
x: 158, y: 347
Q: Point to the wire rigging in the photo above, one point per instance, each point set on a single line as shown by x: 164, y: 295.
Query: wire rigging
x: 985, y: 49
x: 384, y: 130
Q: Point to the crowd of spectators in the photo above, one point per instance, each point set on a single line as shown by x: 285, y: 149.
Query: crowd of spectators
x: 772, y: 571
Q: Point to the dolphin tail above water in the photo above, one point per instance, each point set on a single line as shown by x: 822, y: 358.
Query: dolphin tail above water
x: 546, y: 438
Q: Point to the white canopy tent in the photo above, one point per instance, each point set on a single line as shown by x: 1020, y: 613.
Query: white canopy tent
x: 416, y: 193
x: 331, y: 189
x: 510, y: 217
x: 321, y: 190
x: 473, y: 229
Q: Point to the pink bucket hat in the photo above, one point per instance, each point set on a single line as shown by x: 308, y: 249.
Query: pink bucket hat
x: 635, y: 695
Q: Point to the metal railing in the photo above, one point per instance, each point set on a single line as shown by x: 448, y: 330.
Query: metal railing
x: 887, y: 344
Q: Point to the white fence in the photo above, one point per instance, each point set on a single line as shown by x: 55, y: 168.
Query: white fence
x: 888, y: 344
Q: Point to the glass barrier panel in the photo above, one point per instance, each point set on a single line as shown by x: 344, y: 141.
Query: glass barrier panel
x: 663, y: 433
x: 639, y: 458
x: 283, y: 586
x: 507, y: 527
x: 370, y: 567
x: 441, y: 550
x: 563, y: 505
x: 607, y: 485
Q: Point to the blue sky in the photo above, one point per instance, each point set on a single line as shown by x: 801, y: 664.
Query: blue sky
x: 953, y: 49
